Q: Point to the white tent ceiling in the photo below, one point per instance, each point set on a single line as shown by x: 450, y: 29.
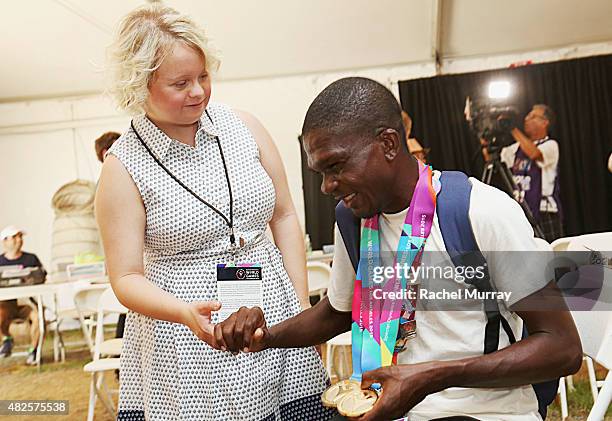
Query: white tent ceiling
x: 54, y: 48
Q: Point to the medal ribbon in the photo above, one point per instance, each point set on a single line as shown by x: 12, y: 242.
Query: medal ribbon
x: 415, y: 232
x: 376, y: 322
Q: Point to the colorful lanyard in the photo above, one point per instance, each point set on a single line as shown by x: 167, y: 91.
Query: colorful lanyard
x: 375, y: 322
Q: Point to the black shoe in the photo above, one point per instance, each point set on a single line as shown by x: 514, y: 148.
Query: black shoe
x: 6, y: 348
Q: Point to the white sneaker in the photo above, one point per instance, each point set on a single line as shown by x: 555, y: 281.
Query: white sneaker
x: 31, y: 360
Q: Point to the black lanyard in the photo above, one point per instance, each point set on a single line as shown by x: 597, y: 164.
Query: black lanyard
x: 230, y: 221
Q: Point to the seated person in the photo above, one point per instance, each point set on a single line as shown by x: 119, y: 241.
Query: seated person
x: 12, y: 242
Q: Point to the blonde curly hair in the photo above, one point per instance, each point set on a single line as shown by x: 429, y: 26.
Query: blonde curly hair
x: 144, y: 38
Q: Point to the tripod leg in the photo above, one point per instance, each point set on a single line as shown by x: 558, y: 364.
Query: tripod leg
x: 506, y: 176
x: 487, y: 173
x: 511, y: 187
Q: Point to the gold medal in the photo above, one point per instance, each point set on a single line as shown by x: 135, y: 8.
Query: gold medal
x: 357, y: 402
x: 333, y: 394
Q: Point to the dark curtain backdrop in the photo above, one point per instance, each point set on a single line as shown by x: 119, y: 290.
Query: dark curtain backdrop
x: 319, y: 208
x: 580, y: 93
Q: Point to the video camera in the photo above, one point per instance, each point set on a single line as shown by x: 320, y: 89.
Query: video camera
x: 491, y: 120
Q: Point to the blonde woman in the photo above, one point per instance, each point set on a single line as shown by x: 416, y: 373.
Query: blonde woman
x: 190, y: 185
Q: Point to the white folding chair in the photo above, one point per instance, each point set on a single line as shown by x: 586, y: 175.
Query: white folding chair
x: 86, y: 300
x: 560, y: 244
x: 107, y: 304
x: 319, y: 275
x: 604, y: 396
x: 599, y: 241
x: 595, y: 329
x: 83, y: 274
x: 596, y: 242
x: 343, y: 341
x: 542, y: 244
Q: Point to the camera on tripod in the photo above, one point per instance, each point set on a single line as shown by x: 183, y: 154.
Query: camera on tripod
x: 492, y: 121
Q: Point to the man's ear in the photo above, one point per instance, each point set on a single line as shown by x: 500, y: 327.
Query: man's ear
x: 391, y: 143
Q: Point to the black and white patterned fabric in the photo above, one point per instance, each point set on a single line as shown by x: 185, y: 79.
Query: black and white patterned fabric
x: 551, y: 225
x: 167, y: 373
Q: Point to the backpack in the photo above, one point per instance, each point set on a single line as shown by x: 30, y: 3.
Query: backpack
x: 453, y: 204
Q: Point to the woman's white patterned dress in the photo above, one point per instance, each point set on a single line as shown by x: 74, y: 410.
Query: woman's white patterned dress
x: 167, y: 373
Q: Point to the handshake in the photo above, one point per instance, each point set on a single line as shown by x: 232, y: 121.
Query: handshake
x: 245, y: 330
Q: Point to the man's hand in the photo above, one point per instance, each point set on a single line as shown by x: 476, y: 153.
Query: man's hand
x: 245, y: 330
x: 484, y: 147
x: 527, y: 145
x: 403, y: 387
x: 196, y: 316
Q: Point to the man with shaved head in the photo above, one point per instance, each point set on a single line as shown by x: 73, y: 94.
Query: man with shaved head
x: 339, y: 132
x: 354, y: 137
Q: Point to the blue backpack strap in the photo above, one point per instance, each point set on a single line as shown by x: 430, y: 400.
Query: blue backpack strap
x: 453, y: 216
x: 350, y: 230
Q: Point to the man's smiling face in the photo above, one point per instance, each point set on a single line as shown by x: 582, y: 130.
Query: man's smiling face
x: 352, y: 170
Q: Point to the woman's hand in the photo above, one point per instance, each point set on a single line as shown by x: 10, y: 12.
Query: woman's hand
x: 196, y: 316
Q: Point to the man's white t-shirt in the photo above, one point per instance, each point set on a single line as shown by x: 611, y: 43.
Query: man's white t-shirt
x: 498, y: 224
x: 549, y: 162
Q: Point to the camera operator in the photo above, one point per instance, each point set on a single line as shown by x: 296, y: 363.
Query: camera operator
x: 533, y: 160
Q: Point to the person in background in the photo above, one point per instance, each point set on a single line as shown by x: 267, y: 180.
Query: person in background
x: 103, y: 144
x: 534, y: 162
x: 163, y: 240
x: 414, y: 147
x: 12, y: 242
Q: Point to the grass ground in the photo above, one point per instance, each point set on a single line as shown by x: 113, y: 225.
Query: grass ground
x: 68, y: 381
x: 62, y: 381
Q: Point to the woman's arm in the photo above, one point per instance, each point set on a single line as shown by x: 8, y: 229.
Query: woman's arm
x: 285, y: 227
x: 121, y: 218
